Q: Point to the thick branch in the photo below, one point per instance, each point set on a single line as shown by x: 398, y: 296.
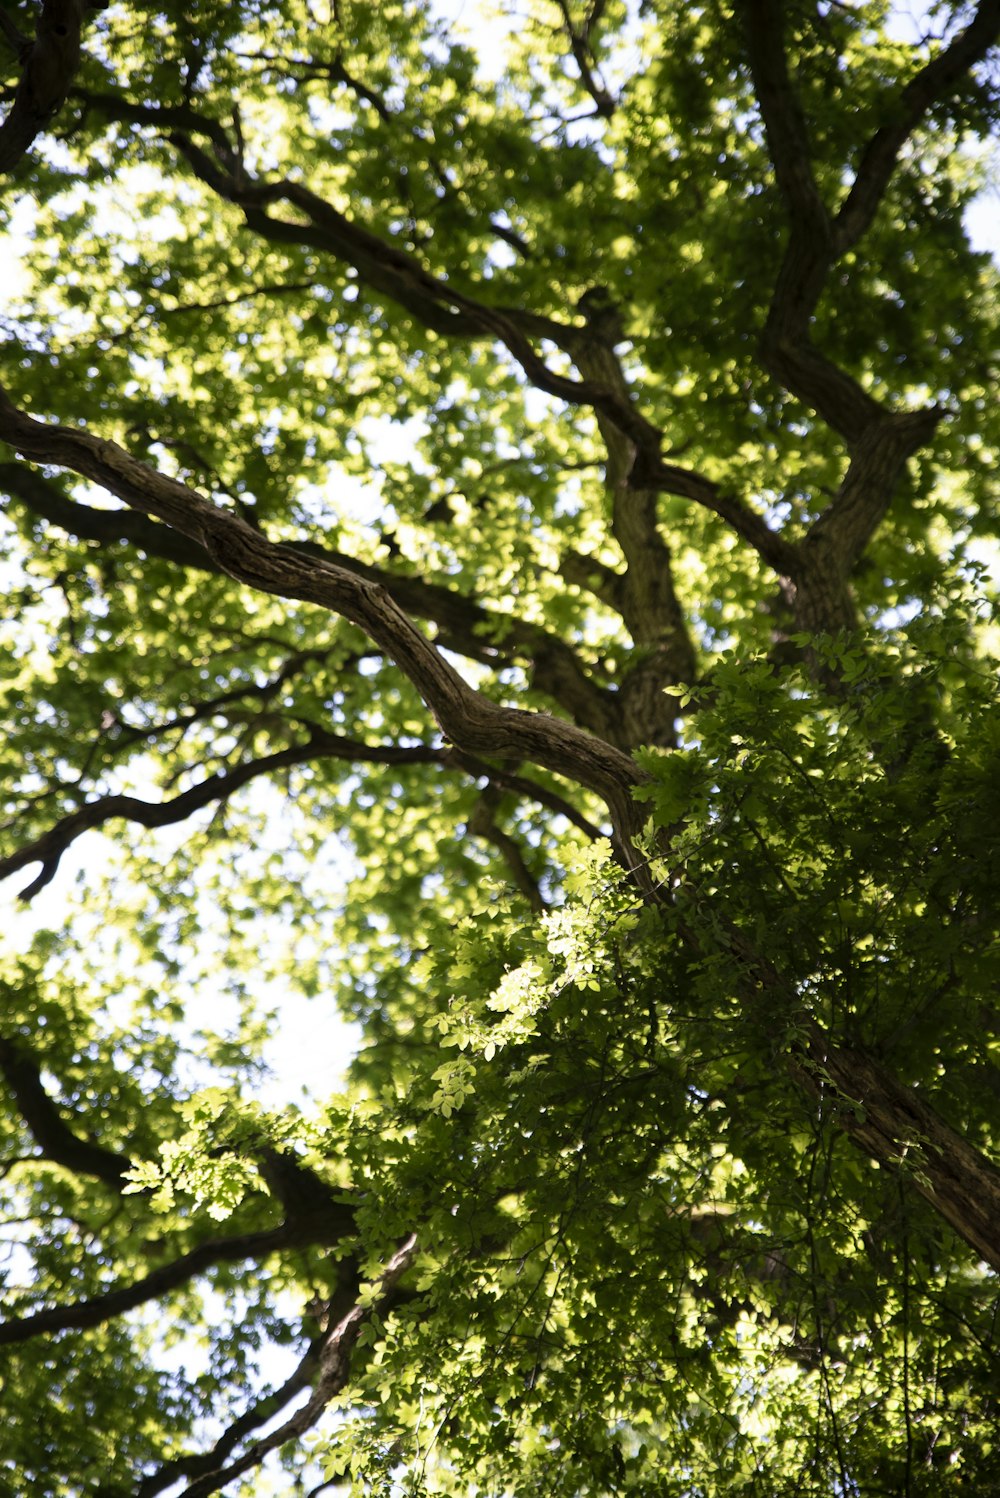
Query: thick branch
x: 896, y: 1127
x: 649, y: 604
x: 465, y: 716
x: 50, y: 63
x: 816, y: 241
x: 334, y: 1370
x: 889, y: 1122
x: 47, y: 1123
x: 784, y: 119
x: 850, y: 520
x: 464, y: 627
x: 785, y: 346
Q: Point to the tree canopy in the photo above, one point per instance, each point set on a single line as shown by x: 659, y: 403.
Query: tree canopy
x: 497, y: 529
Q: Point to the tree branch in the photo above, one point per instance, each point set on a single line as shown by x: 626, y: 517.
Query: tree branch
x: 246, y: 1246
x: 649, y: 604
x: 784, y: 119
x: 334, y: 1360
x: 785, y: 346
x: 258, y: 1414
x: 816, y: 241
x: 483, y: 823
x: 932, y: 85
x: 851, y: 518
x: 528, y: 789
x: 579, y: 42
x: 465, y: 627
x: 47, y: 1124
x: 50, y: 847
x: 889, y: 1122
x: 49, y: 66
x: 465, y: 716
x: 390, y: 270
x: 437, y: 304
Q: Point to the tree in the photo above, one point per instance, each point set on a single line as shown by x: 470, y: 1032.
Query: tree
x: 573, y: 484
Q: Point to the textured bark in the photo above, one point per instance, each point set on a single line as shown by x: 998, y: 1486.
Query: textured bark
x: 469, y: 720
x: 644, y: 593
x: 890, y: 1122
x: 463, y: 626
x: 895, y: 1126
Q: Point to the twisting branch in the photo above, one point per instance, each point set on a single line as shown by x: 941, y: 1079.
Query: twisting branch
x: 465, y: 627
x: 465, y: 716
x: 197, y: 1465
x: 50, y: 847
x: 390, y: 270
x: 48, y: 1125
x: 934, y: 83
x: 249, y: 1247
x: 579, y: 43
x: 436, y: 304
x: 645, y: 591
x: 817, y: 240
x: 879, y: 442
x: 334, y: 1365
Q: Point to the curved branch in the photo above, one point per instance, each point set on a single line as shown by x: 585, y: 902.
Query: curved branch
x: 438, y: 305
x: 464, y: 626
x: 845, y: 527
x: 50, y: 847
x: 931, y: 85
x: 392, y: 271
x: 50, y: 64
x: 334, y: 1361
x: 579, y: 42
x: 465, y: 716
x: 249, y: 1246
x: 265, y: 1409
x: 47, y: 1124
x: 816, y: 241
